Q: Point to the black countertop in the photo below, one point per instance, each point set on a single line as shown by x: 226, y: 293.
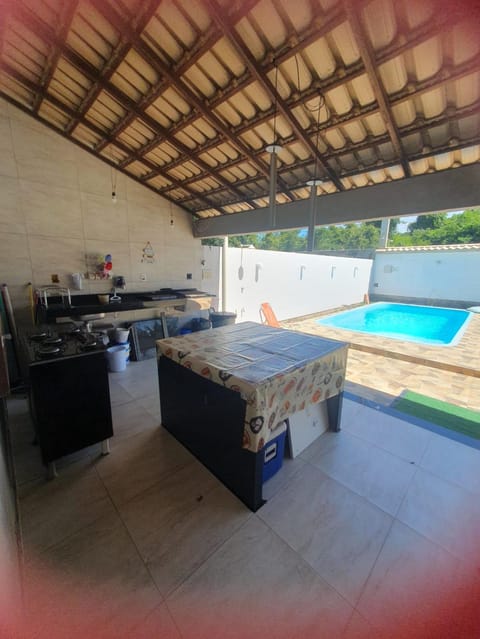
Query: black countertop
x: 89, y: 304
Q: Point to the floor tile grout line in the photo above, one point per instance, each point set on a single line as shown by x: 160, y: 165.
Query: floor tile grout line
x: 155, y: 484
x: 129, y: 535
x: 434, y: 542
x: 164, y: 598
x: 451, y: 483
x: 208, y: 557
x: 359, y: 497
x: 370, y: 572
x: 366, y: 499
x: 376, y: 446
x: 69, y: 535
x: 307, y: 563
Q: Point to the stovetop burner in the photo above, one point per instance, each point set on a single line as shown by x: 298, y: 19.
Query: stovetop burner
x: 45, y: 345
x: 52, y: 341
x: 44, y: 352
x: 38, y: 337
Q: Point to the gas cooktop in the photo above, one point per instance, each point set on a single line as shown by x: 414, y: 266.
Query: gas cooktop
x: 46, y: 345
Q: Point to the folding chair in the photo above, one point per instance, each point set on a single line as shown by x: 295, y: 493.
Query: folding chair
x: 268, y: 316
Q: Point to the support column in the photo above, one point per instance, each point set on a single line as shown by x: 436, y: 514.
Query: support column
x: 384, y: 231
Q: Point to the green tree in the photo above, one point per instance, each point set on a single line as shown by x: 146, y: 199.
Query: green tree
x: 437, y: 229
x: 426, y: 222
x: 212, y: 241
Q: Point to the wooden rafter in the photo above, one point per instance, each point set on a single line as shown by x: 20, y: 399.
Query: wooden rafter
x: 101, y: 83
x: 222, y: 172
x: 115, y: 60
x: 187, y: 94
x: 368, y: 58
x: 65, y: 20
x: 394, y: 49
x: 270, y: 89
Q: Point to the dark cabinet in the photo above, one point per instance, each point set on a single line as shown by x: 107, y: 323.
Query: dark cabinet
x: 70, y: 404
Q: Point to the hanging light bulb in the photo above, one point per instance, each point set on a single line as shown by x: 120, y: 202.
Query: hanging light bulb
x: 172, y: 222
x: 315, y: 182
x: 114, y: 197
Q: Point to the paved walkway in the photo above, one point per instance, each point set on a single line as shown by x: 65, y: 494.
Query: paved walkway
x: 449, y: 373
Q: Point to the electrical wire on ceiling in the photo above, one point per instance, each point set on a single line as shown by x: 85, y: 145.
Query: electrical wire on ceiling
x: 275, y: 107
x: 273, y: 150
x: 314, y: 109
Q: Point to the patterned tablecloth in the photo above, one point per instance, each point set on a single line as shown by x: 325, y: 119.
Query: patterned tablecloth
x: 277, y: 372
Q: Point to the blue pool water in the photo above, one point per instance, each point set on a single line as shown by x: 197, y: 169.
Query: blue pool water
x: 424, y: 324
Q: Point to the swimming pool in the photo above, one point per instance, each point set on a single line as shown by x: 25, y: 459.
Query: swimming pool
x: 423, y: 324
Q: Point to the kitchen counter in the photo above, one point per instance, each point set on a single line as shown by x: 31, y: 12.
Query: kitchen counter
x: 89, y: 304
x: 224, y: 392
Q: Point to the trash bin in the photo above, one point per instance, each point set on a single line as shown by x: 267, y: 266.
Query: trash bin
x: 200, y: 324
x: 222, y: 318
x: 116, y: 358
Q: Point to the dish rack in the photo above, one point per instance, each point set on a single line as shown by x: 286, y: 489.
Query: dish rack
x: 54, y: 291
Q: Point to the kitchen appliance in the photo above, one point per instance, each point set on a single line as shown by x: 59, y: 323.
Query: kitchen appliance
x: 49, y: 345
x: 69, y: 391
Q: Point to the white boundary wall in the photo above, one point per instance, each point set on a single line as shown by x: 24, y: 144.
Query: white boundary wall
x: 294, y: 284
x: 431, y: 274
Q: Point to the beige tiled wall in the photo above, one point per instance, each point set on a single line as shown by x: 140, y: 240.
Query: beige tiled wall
x: 56, y: 209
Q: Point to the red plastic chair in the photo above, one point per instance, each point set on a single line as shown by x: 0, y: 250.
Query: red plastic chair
x: 268, y: 316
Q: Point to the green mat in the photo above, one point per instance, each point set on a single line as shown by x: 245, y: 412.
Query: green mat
x: 461, y: 420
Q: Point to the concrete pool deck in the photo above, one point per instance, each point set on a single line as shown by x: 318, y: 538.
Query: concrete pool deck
x: 449, y: 373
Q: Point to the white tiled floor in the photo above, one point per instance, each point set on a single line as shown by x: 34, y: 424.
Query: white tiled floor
x: 357, y: 530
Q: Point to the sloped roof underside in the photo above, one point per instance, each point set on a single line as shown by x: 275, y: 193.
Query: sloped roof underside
x: 186, y: 95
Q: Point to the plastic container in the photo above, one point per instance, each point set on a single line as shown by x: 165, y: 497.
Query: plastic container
x: 273, y: 452
x: 200, y: 324
x: 116, y: 359
x: 222, y: 318
x: 121, y: 335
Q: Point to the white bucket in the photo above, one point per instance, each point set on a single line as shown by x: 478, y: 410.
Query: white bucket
x: 116, y: 359
x: 121, y: 335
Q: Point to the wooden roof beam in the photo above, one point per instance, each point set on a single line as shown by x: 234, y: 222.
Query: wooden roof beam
x: 157, y: 63
x: 116, y: 59
x: 252, y: 64
x: 368, y: 58
x: 125, y: 101
x: 398, y: 46
x: 67, y: 13
x: 208, y: 40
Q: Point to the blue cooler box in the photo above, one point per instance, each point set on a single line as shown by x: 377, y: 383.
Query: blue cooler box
x: 273, y: 452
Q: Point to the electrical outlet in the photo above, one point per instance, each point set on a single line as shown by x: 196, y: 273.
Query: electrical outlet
x: 143, y: 277
x: 189, y: 276
x: 55, y: 279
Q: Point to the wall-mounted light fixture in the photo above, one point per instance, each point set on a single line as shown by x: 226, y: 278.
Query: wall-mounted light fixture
x: 332, y: 272
x: 258, y: 268
x: 302, y: 270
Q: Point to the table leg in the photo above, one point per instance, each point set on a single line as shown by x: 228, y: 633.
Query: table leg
x: 334, y: 411
x: 51, y: 470
x: 106, y: 447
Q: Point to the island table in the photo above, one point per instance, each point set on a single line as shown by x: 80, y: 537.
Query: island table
x: 224, y: 392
